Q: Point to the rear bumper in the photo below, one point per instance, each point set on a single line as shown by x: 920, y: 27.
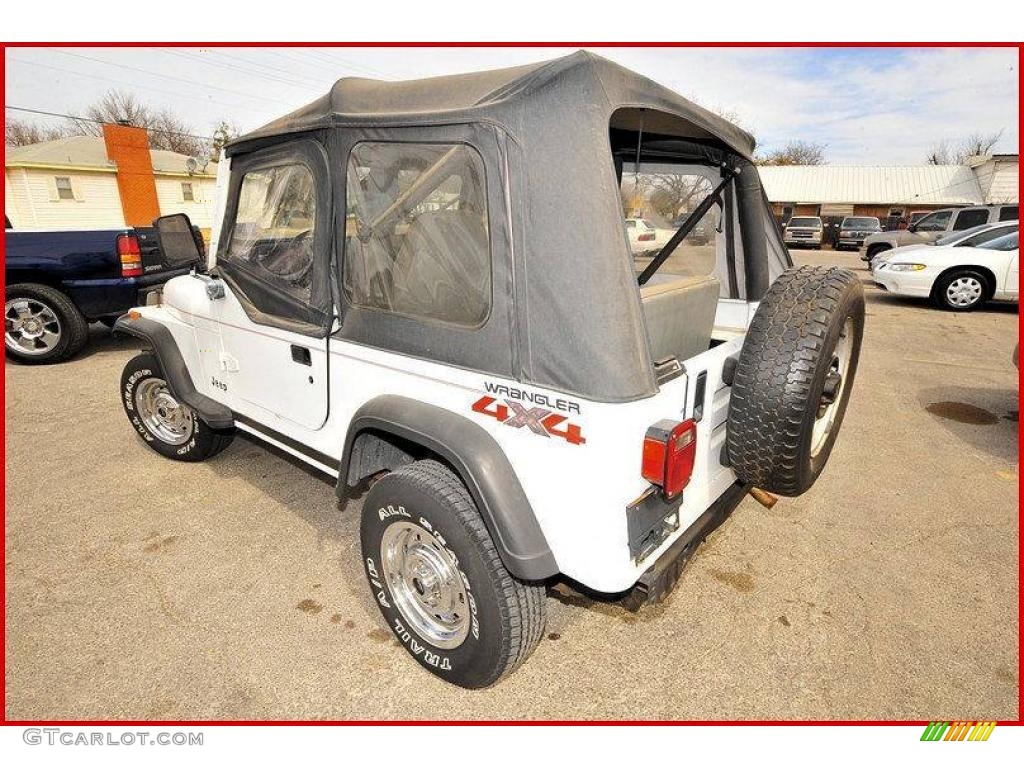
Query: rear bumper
x: 657, y: 581
x: 115, y: 296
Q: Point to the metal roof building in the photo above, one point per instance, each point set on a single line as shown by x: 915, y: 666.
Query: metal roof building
x: 862, y: 184
x: 889, y: 190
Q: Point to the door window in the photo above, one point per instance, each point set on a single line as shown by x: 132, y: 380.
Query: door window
x: 1009, y: 212
x: 416, y: 232
x: 972, y: 217
x: 934, y: 222
x: 272, y: 237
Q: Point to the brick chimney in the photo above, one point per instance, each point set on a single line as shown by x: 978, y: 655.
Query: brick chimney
x: 128, y: 147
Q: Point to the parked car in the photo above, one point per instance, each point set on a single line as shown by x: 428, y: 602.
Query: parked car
x: 955, y: 278
x: 57, y: 281
x: 853, y: 230
x: 966, y: 239
x: 521, y: 404
x: 644, y: 237
x: 936, y: 224
x: 803, y: 231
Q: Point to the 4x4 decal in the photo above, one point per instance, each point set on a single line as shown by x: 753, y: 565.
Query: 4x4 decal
x: 541, y: 421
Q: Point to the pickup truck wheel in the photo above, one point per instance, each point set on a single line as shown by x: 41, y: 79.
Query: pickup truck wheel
x: 794, y: 377
x: 439, y: 582
x: 41, y: 324
x: 170, y: 428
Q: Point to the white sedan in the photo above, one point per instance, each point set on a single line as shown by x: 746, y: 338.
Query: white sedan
x: 645, y: 238
x: 958, y: 279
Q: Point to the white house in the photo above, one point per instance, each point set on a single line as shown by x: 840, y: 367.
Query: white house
x: 86, y: 182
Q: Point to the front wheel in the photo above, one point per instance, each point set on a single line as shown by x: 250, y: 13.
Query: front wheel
x: 961, y: 290
x: 439, y: 582
x: 170, y: 428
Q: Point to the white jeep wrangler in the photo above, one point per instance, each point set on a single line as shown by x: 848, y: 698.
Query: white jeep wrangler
x: 426, y: 288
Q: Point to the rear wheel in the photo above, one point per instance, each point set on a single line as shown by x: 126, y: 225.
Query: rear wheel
x: 961, y: 290
x: 41, y: 324
x: 793, y: 378
x: 439, y: 582
x: 169, y: 427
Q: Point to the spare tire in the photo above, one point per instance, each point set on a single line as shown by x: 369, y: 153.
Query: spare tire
x: 793, y: 379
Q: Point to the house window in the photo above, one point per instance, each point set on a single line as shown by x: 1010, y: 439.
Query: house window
x: 64, y: 190
x: 186, y: 192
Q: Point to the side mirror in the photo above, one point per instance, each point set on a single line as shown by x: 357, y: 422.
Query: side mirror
x: 177, y: 240
x: 912, y: 227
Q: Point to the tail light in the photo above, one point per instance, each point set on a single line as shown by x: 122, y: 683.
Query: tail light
x: 669, y: 451
x: 131, y: 255
x: 646, y: 237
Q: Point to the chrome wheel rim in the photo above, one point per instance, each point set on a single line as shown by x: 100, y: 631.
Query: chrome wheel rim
x: 31, y: 327
x: 835, y: 386
x: 163, y: 416
x: 964, y: 291
x: 426, y: 584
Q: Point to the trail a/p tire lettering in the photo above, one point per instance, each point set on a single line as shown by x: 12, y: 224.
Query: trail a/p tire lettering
x: 203, y: 443
x: 505, y: 616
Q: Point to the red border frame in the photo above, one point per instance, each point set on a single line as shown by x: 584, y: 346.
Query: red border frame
x: 461, y: 44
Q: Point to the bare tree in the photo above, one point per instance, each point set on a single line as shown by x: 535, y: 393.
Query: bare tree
x: 946, y: 152
x: 166, y: 130
x: 18, y: 133
x: 795, y: 153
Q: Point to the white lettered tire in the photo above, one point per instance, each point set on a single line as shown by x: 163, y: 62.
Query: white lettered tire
x: 439, y: 582
x: 170, y: 428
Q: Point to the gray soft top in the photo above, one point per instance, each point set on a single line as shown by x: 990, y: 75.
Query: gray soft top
x: 585, y: 83
x: 569, y: 314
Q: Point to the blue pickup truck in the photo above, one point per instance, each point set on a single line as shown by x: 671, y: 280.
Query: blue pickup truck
x: 59, y: 281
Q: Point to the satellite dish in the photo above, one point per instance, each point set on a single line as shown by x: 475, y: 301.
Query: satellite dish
x: 191, y: 165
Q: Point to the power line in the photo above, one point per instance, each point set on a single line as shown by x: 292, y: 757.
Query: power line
x: 101, y: 122
x: 161, y: 75
x: 131, y: 84
x: 264, y: 75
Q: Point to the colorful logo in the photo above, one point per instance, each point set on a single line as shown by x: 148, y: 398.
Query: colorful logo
x: 540, y: 421
x: 961, y: 730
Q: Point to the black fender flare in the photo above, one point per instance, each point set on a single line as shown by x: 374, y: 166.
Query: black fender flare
x: 158, y: 338
x: 481, y: 464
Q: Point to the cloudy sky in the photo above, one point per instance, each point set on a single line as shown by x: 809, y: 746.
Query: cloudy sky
x: 866, y: 105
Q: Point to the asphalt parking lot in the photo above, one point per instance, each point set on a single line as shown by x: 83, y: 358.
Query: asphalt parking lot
x: 142, y: 588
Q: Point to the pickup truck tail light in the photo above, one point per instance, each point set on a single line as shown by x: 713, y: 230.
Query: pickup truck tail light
x: 131, y: 255
x: 646, y: 237
x: 669, y: 451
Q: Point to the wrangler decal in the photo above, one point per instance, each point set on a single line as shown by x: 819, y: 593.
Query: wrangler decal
x: 539, y: 420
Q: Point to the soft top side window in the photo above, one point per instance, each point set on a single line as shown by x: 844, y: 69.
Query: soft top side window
x: 273, y: 230
x: 416, y: 231
x: 276, y: 244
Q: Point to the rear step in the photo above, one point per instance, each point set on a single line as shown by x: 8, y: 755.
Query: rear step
x: 658, y: 580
